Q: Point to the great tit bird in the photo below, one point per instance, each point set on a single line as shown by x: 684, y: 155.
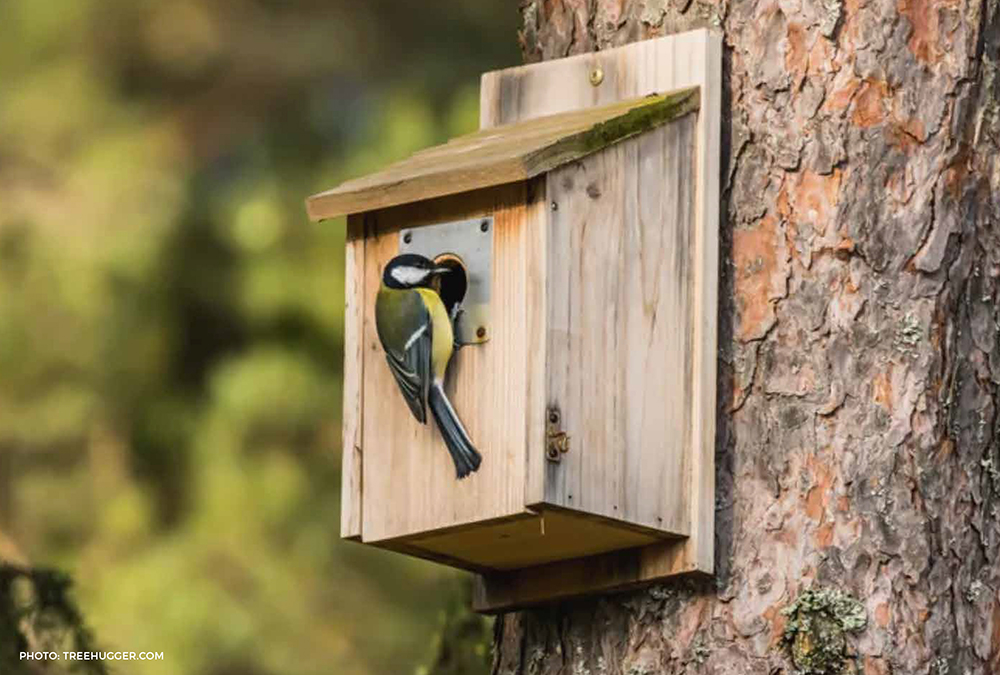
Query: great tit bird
x: 416, y: 333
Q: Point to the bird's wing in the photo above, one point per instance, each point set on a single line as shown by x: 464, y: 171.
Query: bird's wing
x: 409, y: 354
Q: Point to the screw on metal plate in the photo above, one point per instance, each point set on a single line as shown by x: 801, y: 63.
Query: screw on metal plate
x: 467, y: 246
x: 556, y: 440
x: 596, y: 76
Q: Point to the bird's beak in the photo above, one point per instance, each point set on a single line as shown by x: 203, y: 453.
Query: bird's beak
x: 441, y: 270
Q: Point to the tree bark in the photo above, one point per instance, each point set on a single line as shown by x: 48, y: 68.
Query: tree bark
x: 858, y: 443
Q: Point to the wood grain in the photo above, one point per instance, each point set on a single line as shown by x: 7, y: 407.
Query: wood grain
x: 621, y: 317
x: 706, y: 66
x: 532, y: 540
x: 408, y: 476
x: 649, y: 67
x: 604, y: 573
x: 536, y: 246
x: 511, y: 153
x: 354, y: 301
x: 522, y: 93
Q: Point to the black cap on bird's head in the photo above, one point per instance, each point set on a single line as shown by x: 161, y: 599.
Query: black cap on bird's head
x: 410, y: 270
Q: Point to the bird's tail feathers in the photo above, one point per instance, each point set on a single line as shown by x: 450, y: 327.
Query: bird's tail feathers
x: 467, y: 459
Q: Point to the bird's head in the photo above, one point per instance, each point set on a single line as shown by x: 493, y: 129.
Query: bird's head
x: 410, y: 270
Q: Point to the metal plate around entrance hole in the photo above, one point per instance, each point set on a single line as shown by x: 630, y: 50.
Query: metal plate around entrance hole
x: 471, y: 241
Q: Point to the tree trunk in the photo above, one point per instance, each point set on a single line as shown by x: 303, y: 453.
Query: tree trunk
x: 858, y: 444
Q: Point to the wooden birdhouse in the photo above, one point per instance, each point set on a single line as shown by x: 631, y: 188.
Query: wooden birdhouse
x: 581, y: 221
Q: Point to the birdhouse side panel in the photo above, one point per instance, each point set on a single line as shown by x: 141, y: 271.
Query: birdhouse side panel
x: 409, y: 482
x: 620, y: 328
x: 354, y: 304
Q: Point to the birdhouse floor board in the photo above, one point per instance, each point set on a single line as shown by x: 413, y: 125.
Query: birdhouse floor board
x: 532, y: 539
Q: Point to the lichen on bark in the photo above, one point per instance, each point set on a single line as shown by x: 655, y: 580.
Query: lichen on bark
x: 819, y: 622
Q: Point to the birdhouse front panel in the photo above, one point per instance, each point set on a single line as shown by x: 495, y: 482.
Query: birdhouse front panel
x: 408, y: 478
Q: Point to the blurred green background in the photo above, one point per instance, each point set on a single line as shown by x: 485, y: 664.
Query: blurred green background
x: 171, y: 323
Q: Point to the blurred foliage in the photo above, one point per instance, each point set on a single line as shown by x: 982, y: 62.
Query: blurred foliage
x: 171, y: 325
x: 464, y: 641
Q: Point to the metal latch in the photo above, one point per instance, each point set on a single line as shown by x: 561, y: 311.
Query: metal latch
x: 556, y: 440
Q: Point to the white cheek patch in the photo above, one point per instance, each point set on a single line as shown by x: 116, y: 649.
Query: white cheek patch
x: 409, y: 276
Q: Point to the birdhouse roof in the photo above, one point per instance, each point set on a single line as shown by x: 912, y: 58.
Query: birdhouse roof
x: 503, y: 154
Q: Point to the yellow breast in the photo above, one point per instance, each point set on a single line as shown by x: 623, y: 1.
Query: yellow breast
x: 443, y: 338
